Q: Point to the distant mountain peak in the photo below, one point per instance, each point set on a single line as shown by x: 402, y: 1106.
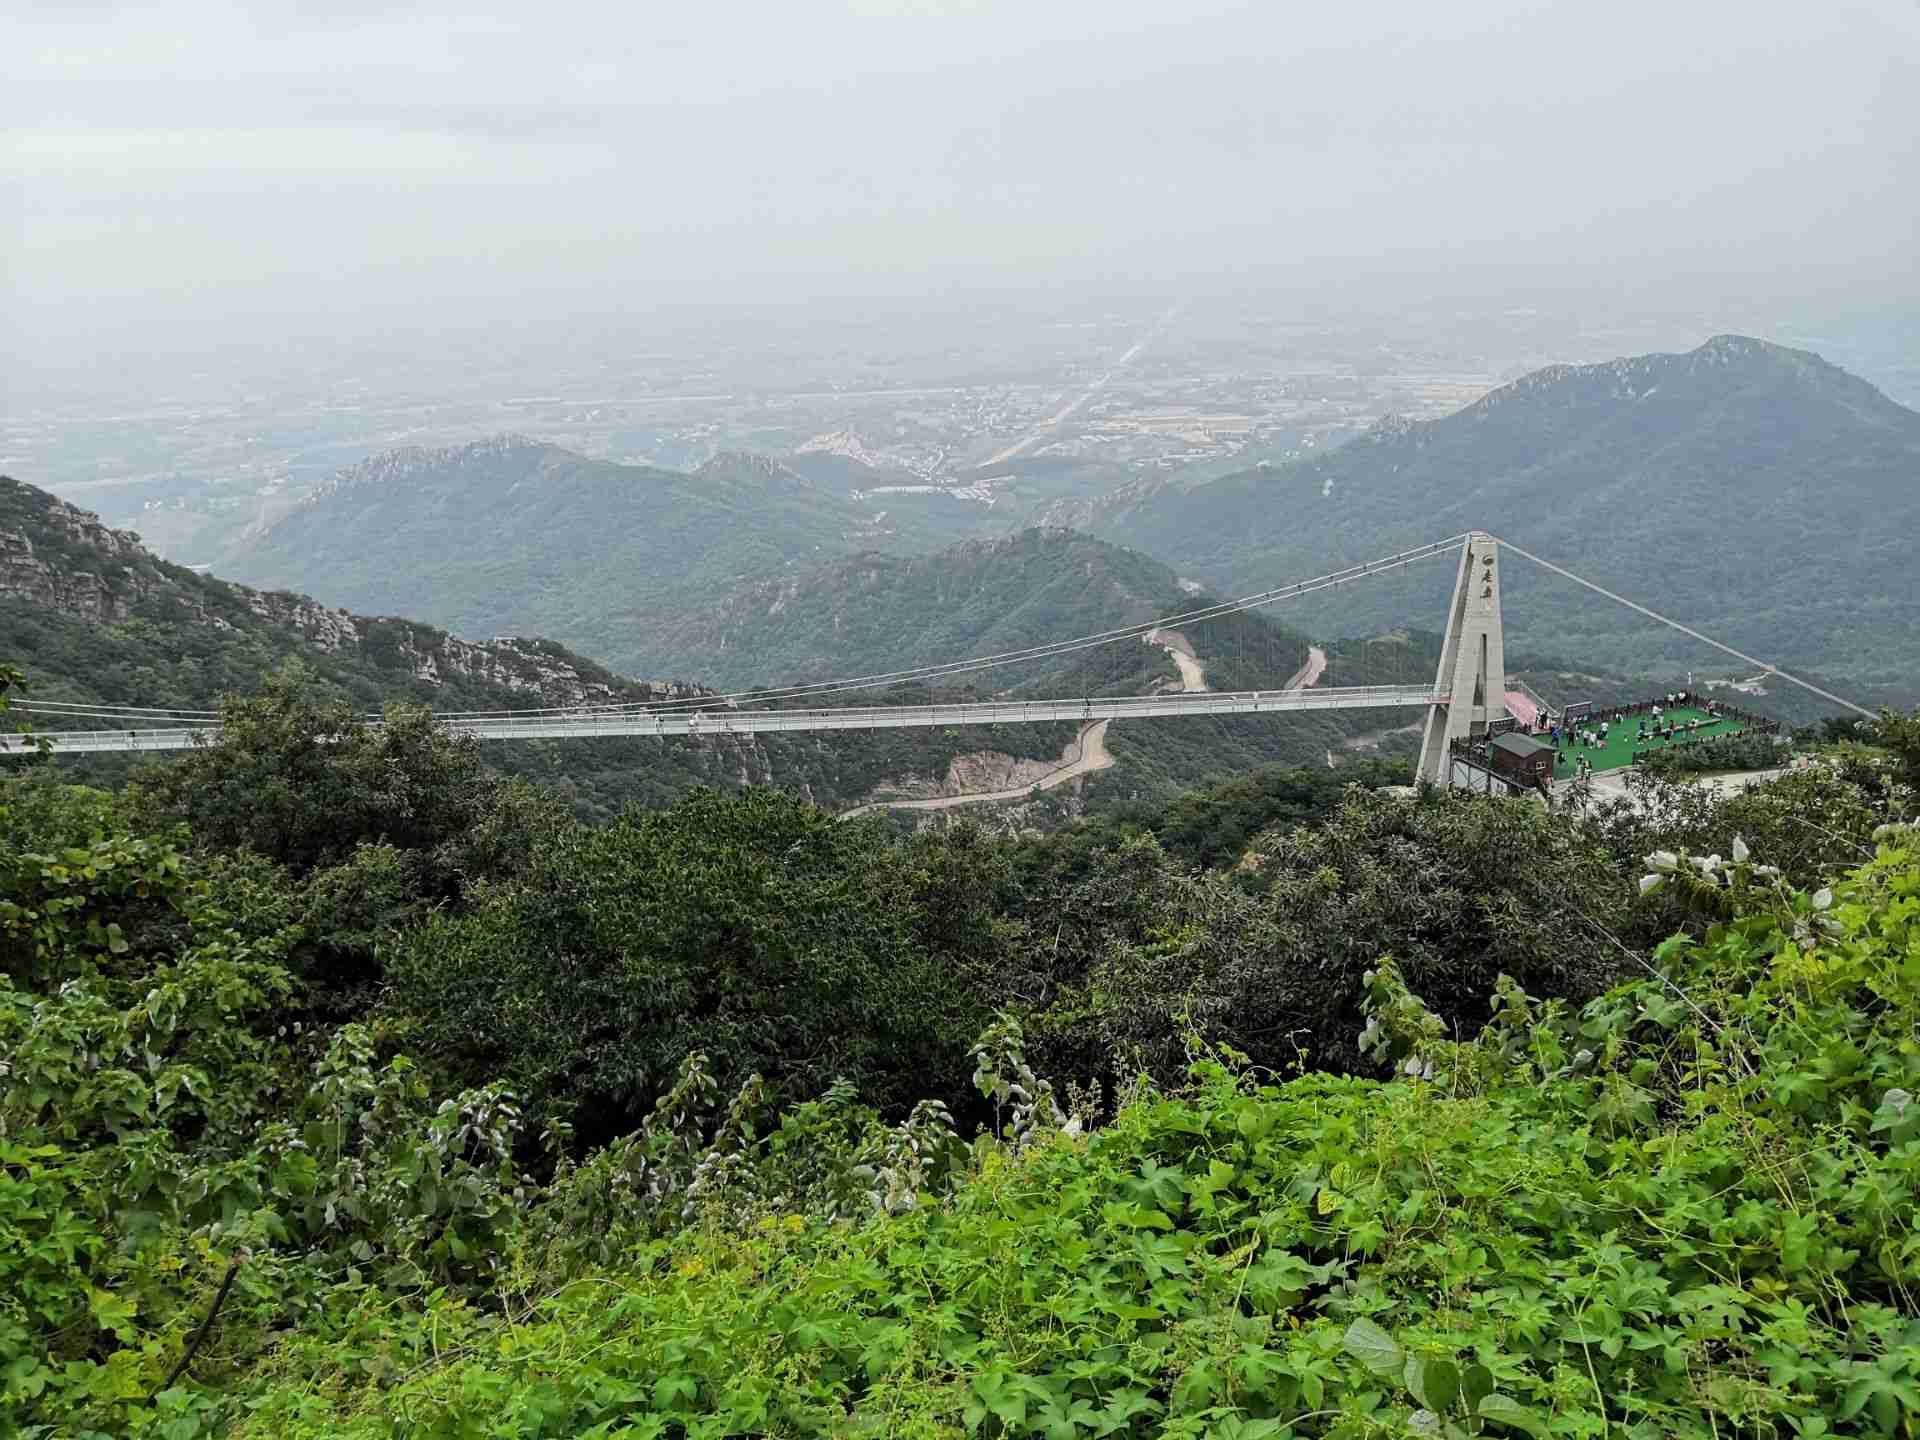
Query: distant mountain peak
x: 1743, y: 347
x: 1695, y: 479
x: 745, y: 464
x: 395, y: 466
x: 848, y: 444
x: 1722, y: 361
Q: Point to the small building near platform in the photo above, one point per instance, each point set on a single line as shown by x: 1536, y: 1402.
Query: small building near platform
x: 1522, y: 758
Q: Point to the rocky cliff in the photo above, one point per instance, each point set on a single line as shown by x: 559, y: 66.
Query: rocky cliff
x: 61, y: 560
x: 92, y: 616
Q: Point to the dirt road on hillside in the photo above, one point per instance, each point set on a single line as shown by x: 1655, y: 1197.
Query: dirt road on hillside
x: 1086, y: 753
x: 1193, y: 675
x: 1309, y: 673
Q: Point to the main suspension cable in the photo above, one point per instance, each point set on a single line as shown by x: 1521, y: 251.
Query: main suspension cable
x: 144, y: 716
x: 1047, y: 651
x: 1771, y: 669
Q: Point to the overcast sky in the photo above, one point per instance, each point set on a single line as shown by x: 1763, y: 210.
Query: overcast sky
x: 202, y: 163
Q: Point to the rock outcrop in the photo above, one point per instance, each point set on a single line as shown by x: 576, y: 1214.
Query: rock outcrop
x: 61, y: 559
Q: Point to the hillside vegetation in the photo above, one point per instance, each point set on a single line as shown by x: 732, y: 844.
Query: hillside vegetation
x: 351, y: 1091
x: 97, y: 618
x: 510, y: 535
x: 873, y: 613
x: 1660, y: 476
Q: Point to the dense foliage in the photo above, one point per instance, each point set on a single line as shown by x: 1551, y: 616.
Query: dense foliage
x: 733, y: 1120
x: 1685, y: 1209
x: 1210, y: 828
x: 1719, y: 752
x: 750, y: 927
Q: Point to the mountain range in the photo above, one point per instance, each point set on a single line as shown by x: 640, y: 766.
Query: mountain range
x: 92, y: 616
x: 512, y: 536
x: 1753, y: 491
x: 1757, y: 493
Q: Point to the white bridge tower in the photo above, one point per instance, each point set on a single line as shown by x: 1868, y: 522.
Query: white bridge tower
x: 1473, y: 659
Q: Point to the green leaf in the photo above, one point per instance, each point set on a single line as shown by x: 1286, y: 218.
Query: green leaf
x: 670, y: 1390
x: 1511, y: 1413
x: 1375, y: 1349
x: 1476, y: 1384
x: 1434, y: 1383
x: 1423, y: 1422
x: 1254, y: 1121
x: 1127, y: 1216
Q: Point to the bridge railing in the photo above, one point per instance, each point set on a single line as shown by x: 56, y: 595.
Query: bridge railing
x: 585, y: 724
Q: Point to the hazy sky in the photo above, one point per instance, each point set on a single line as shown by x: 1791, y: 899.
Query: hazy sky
x: 216, y: 165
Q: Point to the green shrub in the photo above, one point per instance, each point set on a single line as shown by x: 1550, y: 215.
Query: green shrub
x: 747, y: 926
x: 1718, y: 752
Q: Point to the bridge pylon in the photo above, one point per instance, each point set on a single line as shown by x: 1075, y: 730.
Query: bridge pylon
x: 1472, y: 678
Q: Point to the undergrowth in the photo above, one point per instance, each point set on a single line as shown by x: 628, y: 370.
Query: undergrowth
x: 1686, y: 1209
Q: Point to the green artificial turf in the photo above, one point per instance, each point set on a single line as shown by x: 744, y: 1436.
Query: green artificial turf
x: 1621, y: 747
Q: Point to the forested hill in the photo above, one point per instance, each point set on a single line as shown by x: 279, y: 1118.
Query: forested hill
x: 96, y: 616
x: 510, y: 534
x: 1765, y: 495
x: 876, y: 612
x: 91, y: 615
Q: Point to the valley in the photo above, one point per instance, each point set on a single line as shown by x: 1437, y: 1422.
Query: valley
x: 1651, y: 470
x: 960, y: 720
x: 1088, y: 751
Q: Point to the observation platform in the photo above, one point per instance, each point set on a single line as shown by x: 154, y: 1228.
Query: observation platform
x: 1621, y: 749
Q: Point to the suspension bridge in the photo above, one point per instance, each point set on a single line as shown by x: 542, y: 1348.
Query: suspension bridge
x: 1467, y: 696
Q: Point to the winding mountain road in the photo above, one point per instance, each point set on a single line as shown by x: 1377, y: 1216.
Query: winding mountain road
x: 1085, y: 754
x: 1309, y: 673
x: 1088, y: 751
x: 1193, y: 675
